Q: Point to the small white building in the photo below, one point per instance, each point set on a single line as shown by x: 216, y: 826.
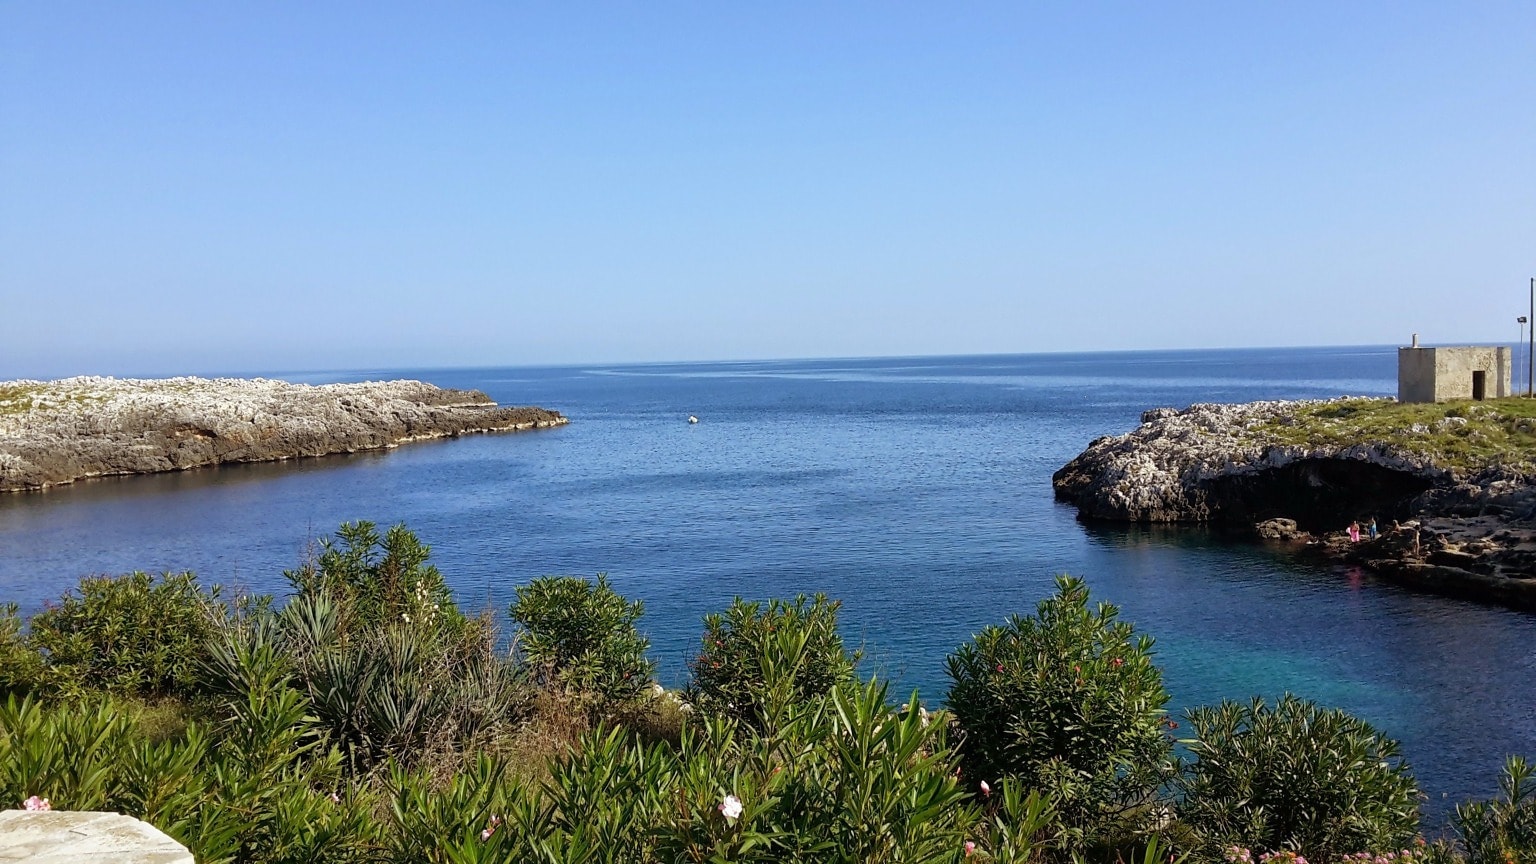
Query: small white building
x: 1460, y: 372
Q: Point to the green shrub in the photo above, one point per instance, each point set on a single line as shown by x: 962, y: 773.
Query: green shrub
x: 353, y: 725
x: 1018, y: 826
x: 844, y: 779
x: 272, y: 773
x: 1297, y: 777
x: 610, y: 792
x: 756, y: 662
x: 391, y: 695
x: 65, y: 754
x: 388, y: 691
x: 379, y: 579
x: 469, y: 819
x: 90, y: 756
x: 1068, y: 702
x: 876, y: 784
x: 579, y: 637
x: 126, y: 634
x: 21, y: 668
x: 389, y: 665
x: 1500, y: 831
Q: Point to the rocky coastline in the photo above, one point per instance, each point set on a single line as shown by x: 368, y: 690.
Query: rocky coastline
x: 1452, y: 529
x: 58, y: 432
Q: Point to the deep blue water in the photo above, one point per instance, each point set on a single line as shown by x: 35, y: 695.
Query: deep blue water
x: 915, y: 490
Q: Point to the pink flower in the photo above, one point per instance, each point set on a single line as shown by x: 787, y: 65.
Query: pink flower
x: 730, y: 808
x: 999, y: 667
x: 970, y: 846
x: 490, y: 829
x: 36, y: 803
x: 985, y: 789
x: 335, y: 799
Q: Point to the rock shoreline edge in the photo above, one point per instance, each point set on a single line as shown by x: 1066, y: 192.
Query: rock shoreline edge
x: 53, y: 433
x: 1458, y: 533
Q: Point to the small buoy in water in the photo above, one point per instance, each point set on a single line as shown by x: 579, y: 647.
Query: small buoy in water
x: 692, y: 419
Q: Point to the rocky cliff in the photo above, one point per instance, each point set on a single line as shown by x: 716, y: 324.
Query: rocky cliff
x: 57, y: 432
x: 1455, y: 528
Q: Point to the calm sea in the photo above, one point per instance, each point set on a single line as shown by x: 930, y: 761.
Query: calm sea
x: 915, y: 490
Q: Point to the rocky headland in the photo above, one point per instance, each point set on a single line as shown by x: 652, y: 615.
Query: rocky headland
x: 1451, y: 487
x: 56, y: 432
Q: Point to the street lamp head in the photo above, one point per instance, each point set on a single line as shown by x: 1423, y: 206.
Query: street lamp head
x: 1521, y: 319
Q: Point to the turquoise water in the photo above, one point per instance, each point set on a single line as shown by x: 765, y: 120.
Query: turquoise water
x: 915, y: 490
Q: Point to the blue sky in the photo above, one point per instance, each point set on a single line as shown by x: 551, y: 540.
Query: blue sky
x: 216, y: 187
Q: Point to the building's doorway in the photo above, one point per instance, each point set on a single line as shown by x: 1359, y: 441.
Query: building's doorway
x: 1479, y: 385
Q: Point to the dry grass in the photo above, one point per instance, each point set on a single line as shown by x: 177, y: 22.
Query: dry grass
x: 658, y: 719
x: 17, y: 399
x: 161, y: 719
x: 554, y: 726
x: 552, y: 730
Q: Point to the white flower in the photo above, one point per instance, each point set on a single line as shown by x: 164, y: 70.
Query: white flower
x: 730, y: 808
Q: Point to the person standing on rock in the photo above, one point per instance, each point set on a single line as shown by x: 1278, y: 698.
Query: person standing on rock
x: 1354, y: 532
x: 1370, y: 528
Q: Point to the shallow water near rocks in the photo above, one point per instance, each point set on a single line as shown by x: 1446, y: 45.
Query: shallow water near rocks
x: 915, y: 490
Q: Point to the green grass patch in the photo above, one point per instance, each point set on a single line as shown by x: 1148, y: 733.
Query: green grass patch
x: 1463, y: 434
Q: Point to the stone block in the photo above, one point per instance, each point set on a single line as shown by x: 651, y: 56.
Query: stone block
x: 77, y: 837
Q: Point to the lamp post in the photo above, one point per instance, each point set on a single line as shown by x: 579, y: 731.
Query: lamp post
x: 1522, y: 320
x: 1530, y: 347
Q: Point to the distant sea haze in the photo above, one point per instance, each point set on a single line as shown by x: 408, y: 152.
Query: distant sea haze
x: 916, y: 490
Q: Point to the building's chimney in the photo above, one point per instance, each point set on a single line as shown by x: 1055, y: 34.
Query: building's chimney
x: 1415, y: 341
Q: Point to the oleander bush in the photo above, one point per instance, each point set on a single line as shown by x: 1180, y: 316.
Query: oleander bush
x: 1069, y: 702
x: 846, y: 778
x: 367, y: 719
x: 273, y: 775
x: 379, y: 578
x: 20, y: 667
x: 757, y: 661
x: 131, y: 634
x: 579, y: 637
x: 473, y: 817
x: 1503, y: 829
x: 247, y: 789
x: 1295, y: 776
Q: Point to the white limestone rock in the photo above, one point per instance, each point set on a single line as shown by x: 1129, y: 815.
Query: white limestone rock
x: 54, y: 432
x: 65, y: 837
